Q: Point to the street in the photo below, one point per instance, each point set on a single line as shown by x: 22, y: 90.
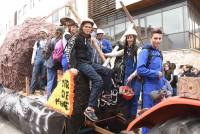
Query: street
x: 7, y: 128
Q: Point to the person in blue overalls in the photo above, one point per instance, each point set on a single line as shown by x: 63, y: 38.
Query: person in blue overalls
x: 150, y: 68
x: 51, y: 66
x: 104, y: 45
x: 131, y: 79
x: 37, y: 61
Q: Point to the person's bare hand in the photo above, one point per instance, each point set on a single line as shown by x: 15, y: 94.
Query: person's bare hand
x: 160, y: 74
x: 32, y: 62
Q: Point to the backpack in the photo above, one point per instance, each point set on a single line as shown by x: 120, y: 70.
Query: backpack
x: 150, y: 55
x: 58, y: 51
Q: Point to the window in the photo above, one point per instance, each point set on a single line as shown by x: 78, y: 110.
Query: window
x: 186, y: 21
x: 112, y: 32
x: 67, y: 12
x: 153, y: 21
x: 119, y: 30
x: 142, y: 27
x: 128, y: 23
x: 107, y: 31
x: 173, y: 21
x: 55, y: 17
x: 194, y: 28
x: 32, y: 4
x: 15, y: 18
x: 175, y: 41
x: 19, y: 14
x: 24, y: 9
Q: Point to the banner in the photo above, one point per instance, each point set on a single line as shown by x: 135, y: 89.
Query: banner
x: 62, y: 98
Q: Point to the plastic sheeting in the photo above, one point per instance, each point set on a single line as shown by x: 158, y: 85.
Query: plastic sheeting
x: 29, y: 115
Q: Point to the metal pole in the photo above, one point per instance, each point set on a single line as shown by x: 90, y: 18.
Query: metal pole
x: 131, y: 20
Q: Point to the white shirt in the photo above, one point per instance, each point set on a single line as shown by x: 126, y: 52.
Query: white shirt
x: 42, y: 43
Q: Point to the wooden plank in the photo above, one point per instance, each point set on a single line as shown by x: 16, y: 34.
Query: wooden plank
x: 27, y: 86
x: 101, y: 130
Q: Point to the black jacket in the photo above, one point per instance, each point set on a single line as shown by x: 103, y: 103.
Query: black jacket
x: 83, y: 49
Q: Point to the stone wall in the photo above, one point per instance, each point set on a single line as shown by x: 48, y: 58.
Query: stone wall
x: 182, y: 57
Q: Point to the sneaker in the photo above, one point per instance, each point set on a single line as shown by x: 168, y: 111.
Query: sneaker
x: 107, y: 99
x: 90, y: 115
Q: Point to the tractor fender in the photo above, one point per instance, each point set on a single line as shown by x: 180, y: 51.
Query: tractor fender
x: 167, y: 109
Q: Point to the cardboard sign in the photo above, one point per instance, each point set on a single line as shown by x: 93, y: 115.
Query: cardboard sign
x: 62, y: 98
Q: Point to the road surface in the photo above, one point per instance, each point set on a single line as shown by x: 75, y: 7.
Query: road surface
x: 7, y: 128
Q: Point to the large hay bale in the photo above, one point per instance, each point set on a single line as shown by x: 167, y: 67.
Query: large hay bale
x: 16, y: 52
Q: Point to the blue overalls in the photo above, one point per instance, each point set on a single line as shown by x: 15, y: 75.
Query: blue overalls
x: 150, y: 73
x: 39, y: 71
x: 130, y: 67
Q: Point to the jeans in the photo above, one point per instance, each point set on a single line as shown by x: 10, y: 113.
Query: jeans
x: 174, y: 92
x: 38, y: 75
x: 64, y: 62
x: 51, y: 80
x: 100, y: 76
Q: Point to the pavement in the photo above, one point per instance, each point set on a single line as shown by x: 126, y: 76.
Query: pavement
x: 7, y: 128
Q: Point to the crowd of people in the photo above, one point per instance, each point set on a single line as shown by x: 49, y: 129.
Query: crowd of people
x: 144, y: 71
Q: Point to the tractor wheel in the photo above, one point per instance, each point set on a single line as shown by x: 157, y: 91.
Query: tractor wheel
x: 188, y: 125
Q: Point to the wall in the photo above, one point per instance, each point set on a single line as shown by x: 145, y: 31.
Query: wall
x: 182, y: 57
x: 41, y: 8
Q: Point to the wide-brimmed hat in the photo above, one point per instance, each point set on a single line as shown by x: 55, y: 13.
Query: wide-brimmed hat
x: 74, y: 24
x: 63, y: 20
x: 87, y: 20
x: 130, y: 31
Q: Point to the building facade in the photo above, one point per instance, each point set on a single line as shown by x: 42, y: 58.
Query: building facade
x: 179, y: 20
x: 53, y: 10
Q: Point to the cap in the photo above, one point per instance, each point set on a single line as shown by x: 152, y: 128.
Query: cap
x: 44, y: 30
x: 60, y: 29
x: 100, y: 31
